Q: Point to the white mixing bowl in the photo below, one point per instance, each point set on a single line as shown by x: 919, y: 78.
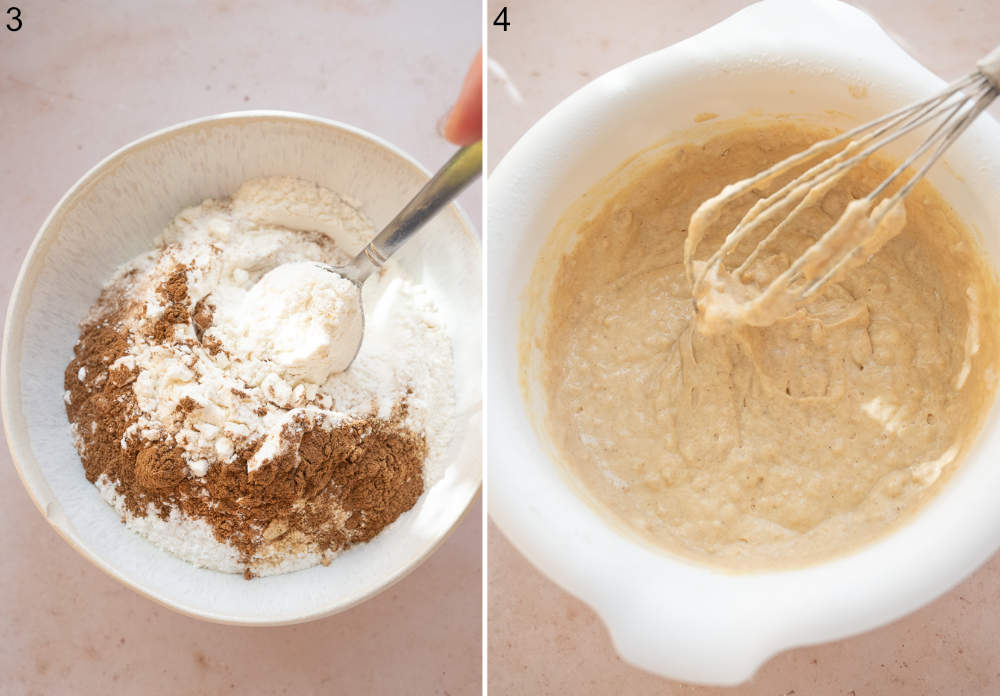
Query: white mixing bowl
x: 816, y: 58
x: 112, y: 214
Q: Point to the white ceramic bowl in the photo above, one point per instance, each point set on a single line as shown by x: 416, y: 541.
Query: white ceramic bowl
x: 664, y: 614
x: 112, y: 214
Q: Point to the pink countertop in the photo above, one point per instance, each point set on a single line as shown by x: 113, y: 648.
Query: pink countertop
x: 78, y: 81
x: 543, y: 641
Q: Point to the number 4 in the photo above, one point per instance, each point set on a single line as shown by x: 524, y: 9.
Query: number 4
x: 501, y: 20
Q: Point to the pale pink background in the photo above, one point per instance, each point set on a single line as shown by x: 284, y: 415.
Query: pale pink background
x: 80, y: 80
x: 541, y: 640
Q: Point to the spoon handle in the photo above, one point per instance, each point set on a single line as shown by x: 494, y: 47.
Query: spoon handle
x: 464, y: 167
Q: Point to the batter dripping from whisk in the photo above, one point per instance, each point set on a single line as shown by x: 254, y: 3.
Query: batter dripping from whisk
x: 722, y: 301
x: 771, y: 445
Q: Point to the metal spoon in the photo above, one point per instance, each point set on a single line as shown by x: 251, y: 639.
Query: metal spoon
x: 464, y: 167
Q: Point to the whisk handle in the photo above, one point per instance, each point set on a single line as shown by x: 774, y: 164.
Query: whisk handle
x: 989, y: 65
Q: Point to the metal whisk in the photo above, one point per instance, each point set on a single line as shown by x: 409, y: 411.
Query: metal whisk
x: 863, y: 229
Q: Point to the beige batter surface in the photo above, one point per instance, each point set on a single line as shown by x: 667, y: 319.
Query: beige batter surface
x: 760, y: 446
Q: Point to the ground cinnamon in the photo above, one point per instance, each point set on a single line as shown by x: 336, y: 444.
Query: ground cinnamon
x: 329, y: 487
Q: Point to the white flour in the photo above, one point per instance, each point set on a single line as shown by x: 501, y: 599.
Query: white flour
x: 242, y: 390
x: 305, y: 319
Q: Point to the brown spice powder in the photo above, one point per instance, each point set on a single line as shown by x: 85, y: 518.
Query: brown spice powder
x: 327, y: 489
x: 175, y: 294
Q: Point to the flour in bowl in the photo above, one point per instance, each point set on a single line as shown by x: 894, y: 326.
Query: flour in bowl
x: 210, y: 394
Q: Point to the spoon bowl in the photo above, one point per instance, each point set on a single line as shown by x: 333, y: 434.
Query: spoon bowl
x: 464, y: 167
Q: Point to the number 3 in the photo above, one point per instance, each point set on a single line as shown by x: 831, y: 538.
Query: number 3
x: 15, y: 16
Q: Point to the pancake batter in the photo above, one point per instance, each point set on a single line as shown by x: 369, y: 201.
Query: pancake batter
x: 768, y: 446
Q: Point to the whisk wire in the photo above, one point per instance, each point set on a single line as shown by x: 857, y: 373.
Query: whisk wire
x: 906, y: 118
x: 954, y: 107
x: 957, y: 125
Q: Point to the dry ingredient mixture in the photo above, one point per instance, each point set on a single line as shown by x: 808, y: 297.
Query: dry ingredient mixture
x: 757, y: 446
x: 209, y: 400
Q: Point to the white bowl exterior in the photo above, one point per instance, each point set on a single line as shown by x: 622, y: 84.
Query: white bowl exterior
x: 666, y: 615
x: 112, y: 214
